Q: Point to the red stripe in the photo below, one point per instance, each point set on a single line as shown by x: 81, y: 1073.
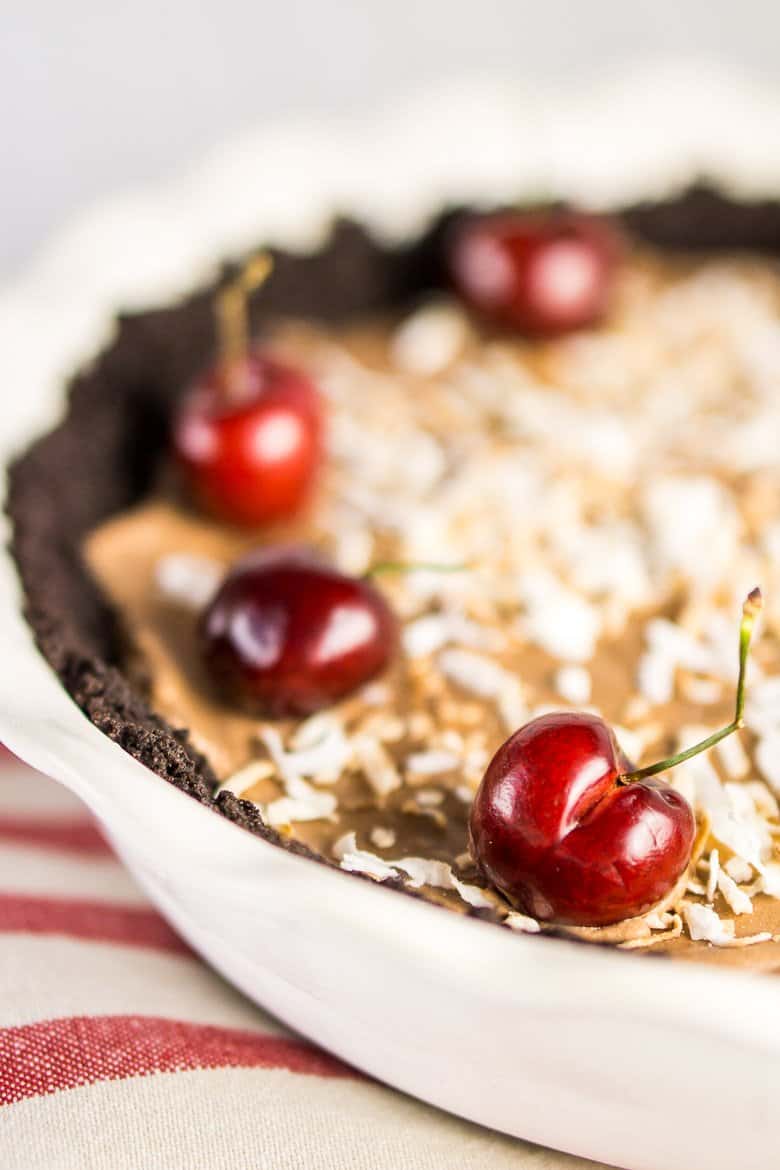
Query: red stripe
x: 72, y: 835
x: 97, y: 921
x: 63, y: 1054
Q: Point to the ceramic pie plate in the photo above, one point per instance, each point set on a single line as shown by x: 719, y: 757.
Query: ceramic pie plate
x: 646, y: 1064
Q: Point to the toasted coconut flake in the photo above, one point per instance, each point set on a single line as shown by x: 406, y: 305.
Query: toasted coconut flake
x: 383, y: 726
x: 750, y: 940
x: 673, y: 930
x: 659, y: 919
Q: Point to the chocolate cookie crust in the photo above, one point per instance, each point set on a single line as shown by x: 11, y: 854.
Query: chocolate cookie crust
x: 106, y: 453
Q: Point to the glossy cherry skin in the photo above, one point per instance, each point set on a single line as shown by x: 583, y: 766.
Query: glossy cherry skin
x: 287, y: 635
x: 553, y: 829
x: 249, y: 440
x: 542, y: 274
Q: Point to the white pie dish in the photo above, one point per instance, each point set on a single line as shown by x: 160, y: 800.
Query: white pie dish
x: 611, y: 1056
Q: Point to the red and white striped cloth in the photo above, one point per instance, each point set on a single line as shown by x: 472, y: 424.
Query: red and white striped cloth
x: 120, y: 1049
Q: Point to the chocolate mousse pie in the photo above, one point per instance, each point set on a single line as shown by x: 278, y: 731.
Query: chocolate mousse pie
x: 430, y: 562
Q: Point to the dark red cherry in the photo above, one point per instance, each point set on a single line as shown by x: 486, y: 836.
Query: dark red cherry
x: 249, y: 439
x: 555, y: 831
x: 539, y: 273
x: 286, y: 634
x: 569, y: 833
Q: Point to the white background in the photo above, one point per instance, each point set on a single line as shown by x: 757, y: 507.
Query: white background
x: 96, y: 95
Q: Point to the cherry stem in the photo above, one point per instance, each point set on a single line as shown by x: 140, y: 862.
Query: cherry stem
x: 232, y: 310
x: 414, y: 567
x: 750, y: 611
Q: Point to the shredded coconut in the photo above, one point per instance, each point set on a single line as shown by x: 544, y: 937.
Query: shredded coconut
x: 487, y: 679
x: 188, y: 580
x: 377, y: 765
x: 573, y: 683
x: 768, y: 758
x: 308, y: 805
x: 429, y: 797
x: 557, y: 619
x: 473, y: 895
x: 704, y: 925
x: 360, y: 860
x: 713, y: 875
x: 432, y: 632
x: 733, y: 757
x: 323, y: 750
x: 737, y: 900
x: 741, y: 872
x: 430, y: 340
x: 522, y: 922
x: 246, y: 777
x: 383, y: 838
x: 434, y: 762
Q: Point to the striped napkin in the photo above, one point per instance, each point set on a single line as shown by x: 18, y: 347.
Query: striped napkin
x: 120, y: 1049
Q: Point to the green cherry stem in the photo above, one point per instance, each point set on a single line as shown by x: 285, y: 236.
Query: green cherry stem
x: 414, y: 567
x: 750, y: 611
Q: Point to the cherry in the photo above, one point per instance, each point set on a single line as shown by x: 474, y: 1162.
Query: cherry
x: 286, y: 634
x: 564, y: 828
x: 250, y: 455
x: 248, y: 436
x: 541, y: 273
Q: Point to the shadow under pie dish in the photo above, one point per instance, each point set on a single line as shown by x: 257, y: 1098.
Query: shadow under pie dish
x: 609, y: 492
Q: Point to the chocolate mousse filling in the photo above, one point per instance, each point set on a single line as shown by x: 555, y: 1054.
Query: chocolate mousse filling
x: 116, y: 567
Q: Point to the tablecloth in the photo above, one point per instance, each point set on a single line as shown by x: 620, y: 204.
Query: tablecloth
x: 120, y: 1049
